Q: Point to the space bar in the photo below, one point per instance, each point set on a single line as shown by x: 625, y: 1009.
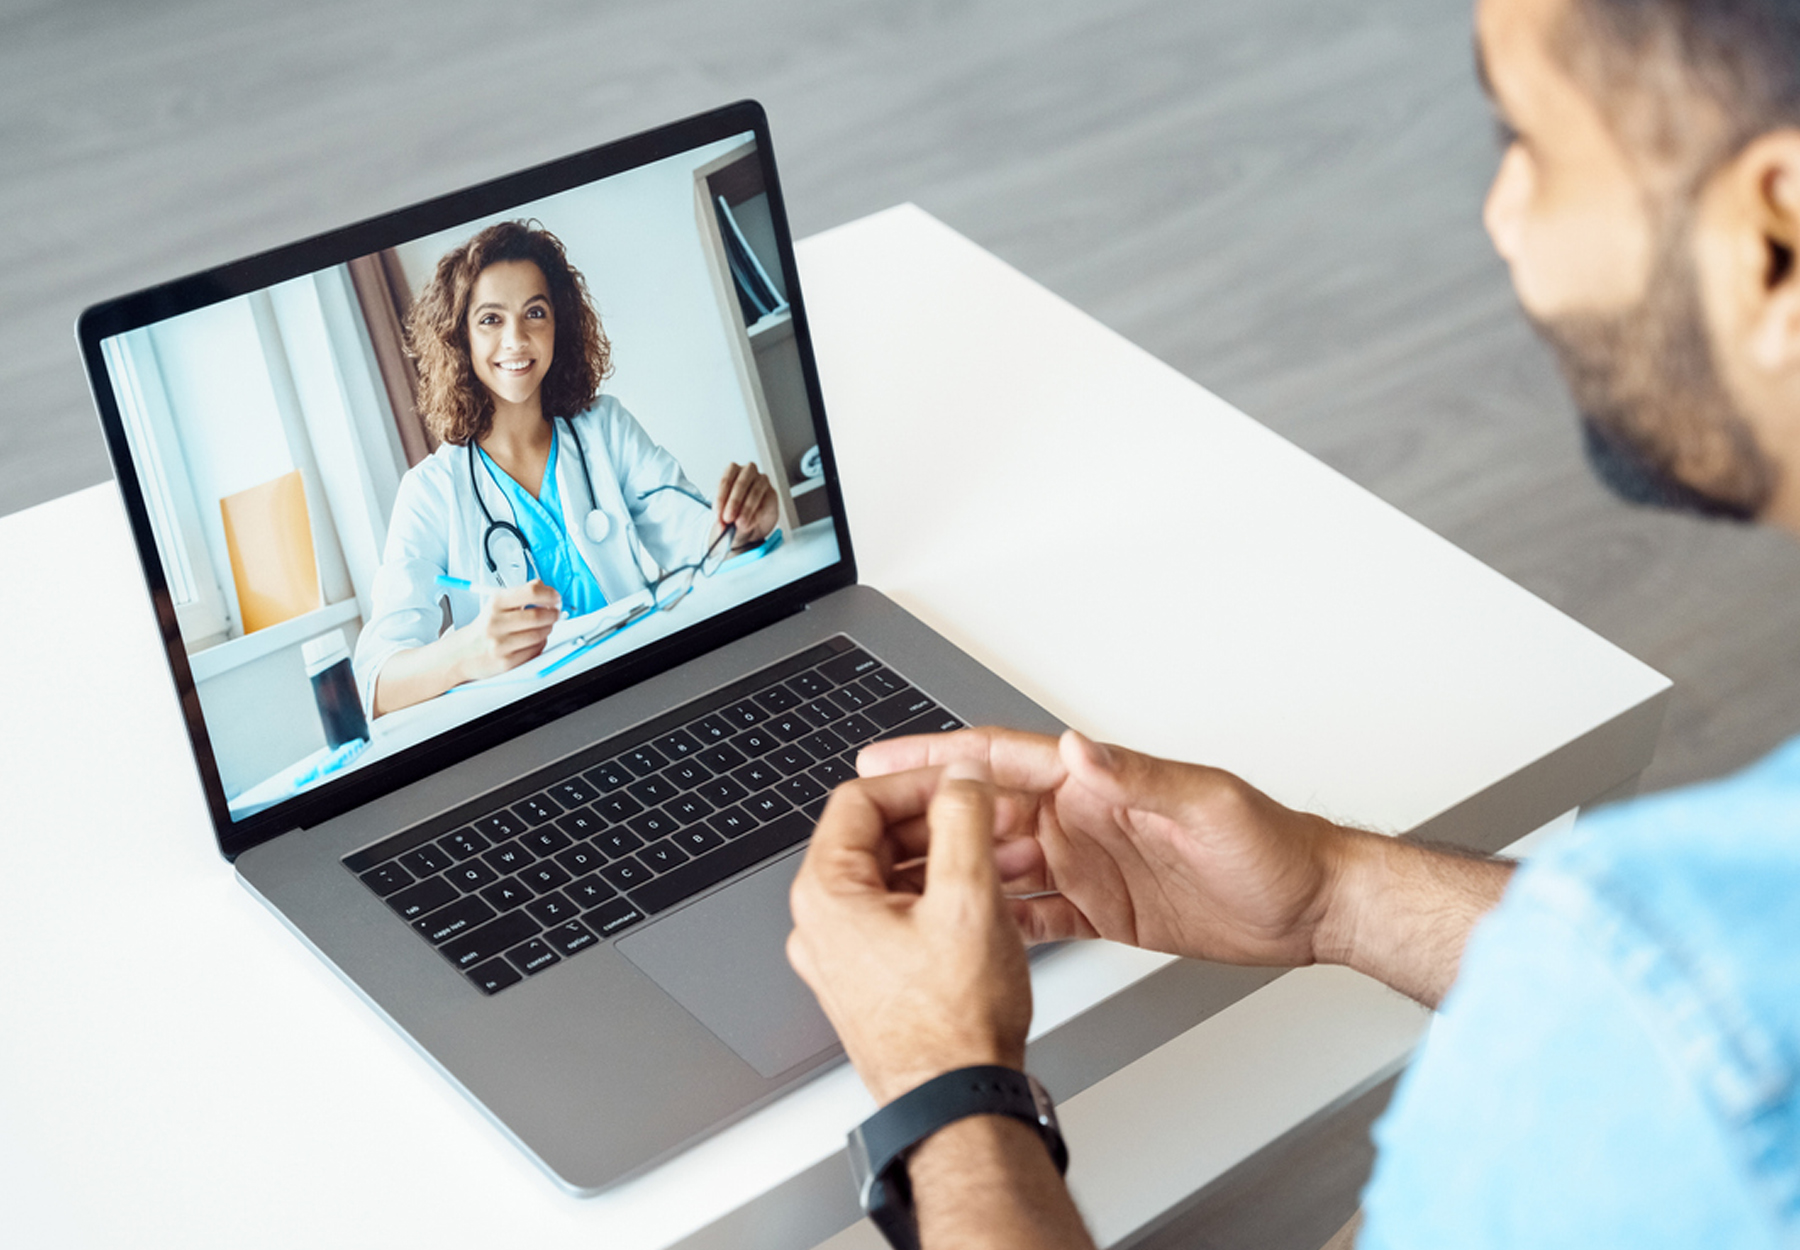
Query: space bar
x: 691, y: 878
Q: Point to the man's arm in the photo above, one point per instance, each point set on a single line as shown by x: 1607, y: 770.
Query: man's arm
x: 922, y: 981
x: 1193, y: 860
x: 1401, y: 912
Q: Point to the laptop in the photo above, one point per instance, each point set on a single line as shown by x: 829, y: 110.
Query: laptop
x: 562, y: 874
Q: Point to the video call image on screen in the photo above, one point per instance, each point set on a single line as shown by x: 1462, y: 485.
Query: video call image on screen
x: 311, y: 459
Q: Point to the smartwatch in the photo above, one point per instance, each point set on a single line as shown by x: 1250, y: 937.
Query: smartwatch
x: 880, y: 1144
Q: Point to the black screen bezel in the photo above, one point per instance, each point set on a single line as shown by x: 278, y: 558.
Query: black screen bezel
x: 237, y: 278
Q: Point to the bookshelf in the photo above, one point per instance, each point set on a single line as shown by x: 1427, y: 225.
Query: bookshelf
x: 732, y: 206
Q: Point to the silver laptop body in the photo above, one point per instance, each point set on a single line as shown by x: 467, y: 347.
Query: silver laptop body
x: 603, y: 1060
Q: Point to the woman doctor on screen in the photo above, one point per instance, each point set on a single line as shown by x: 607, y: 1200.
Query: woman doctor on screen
x: 541, y: 487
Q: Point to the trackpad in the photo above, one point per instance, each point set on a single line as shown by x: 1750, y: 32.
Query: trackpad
x: 725, y: 960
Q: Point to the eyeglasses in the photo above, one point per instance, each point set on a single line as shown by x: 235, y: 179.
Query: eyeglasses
x: 677, y: 583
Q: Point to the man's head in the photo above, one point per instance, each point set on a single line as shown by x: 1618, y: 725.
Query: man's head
x: 1648, y: 204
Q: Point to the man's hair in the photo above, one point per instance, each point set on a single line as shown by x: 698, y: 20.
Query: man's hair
x: 1686, y: 83
x: 451, y: 399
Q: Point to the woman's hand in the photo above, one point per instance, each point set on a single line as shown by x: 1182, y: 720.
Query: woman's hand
x: 513, y: 627
x: 746, y: 500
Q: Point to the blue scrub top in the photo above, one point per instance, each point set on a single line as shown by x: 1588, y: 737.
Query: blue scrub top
x: 559, y: 565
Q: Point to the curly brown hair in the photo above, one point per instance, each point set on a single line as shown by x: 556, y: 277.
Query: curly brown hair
x: 452, y: 401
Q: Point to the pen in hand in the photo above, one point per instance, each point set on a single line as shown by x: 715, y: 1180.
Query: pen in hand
x: 920, y: 861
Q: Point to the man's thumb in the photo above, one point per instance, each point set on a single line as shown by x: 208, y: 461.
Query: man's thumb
x: 1128, y: 778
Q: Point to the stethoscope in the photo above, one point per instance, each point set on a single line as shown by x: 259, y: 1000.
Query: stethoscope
x: 596, y: 525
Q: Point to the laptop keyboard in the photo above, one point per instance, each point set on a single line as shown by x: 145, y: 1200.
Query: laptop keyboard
x: 528, y: 876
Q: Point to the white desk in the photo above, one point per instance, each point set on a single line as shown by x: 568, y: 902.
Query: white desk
x: 1126, y: 548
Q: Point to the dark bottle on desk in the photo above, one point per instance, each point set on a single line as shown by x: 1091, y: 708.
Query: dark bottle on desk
x: 334, y: 689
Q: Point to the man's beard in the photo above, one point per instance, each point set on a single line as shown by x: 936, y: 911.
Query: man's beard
x: 1657, y: 424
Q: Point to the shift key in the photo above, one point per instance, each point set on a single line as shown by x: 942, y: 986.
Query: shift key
x: 490, y: 939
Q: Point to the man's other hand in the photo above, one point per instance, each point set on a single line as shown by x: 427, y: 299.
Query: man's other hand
x: 917, y: 981
x: 1169, y: 856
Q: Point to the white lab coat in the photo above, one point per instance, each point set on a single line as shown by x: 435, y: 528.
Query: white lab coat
x: 437, y: 528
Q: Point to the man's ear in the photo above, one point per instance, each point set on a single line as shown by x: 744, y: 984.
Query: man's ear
x: 1769, y: 178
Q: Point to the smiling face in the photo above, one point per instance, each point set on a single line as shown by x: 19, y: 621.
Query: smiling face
x: 1599, y: 223
x: 512, y: 331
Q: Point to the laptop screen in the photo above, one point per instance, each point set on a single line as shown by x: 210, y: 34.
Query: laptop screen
x: 389, y: 493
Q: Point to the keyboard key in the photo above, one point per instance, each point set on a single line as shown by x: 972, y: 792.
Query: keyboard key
x: 800, y: 790
x: 427, y: 896
x: 767, y: 805
x: 789, y: 725
x: 820, y: 711
x: 662, y: 856
x: 897, y: 709
x: 625, y: 874
x: 546, y: 840
x: 500, y: 826
x: 590, y: 891
x: 853, y: 663
x: 756, y: 774
x: 651, y: 791
x: 583, y: 823
x: 936, y: 721
x: 643, y: 761
x: 617, y: 842
x: 505, y: 895
x: 538, y: 808
x: 552, y: 908
x: 851, y: 698
x: 446, y: 922
x: 686, y: 774
x: 490, y: 939
x: 722, y: 759
x: 471, y: 876
x: 494, y: 976
x: 732, y: 822
x: 720, y: 791
x: 882, y: 682
x: 570, y: 937
x: 810, y: 684
x: 464, y: 843
x: 678, y: 745
x: 688, y: 808
x: 533, y: 957
x: 698, y: 840
x: 384, y: 879
x: 791, y: 759
x: 831, y: 773
x: 755, y: 742
x: 743, y: 715
x: 712, y: 730
x: 609, y: 918
x: 574, y: 793
x: 618, y: 807
x: 856, y: 730
x: 509, y: 857
x: 609, y: 776
x: 824, y: 744
x: 545, y: 875
x: 425, y: 861
x: 652, y: 824
x: 689, y: 879
x: 777, y: 699
x: 581, y: 858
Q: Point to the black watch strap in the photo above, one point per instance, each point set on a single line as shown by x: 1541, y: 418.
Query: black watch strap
x: 879, y: 1145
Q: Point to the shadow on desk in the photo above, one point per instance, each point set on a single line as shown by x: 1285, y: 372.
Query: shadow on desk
x: 1294, y: 1194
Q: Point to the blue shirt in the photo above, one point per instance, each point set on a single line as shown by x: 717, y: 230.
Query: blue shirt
x: 1618, y: 1063
x: 558, y: 564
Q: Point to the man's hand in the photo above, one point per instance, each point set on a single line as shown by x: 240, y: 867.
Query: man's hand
x: 917, y: 983
x: 1194, y: 861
